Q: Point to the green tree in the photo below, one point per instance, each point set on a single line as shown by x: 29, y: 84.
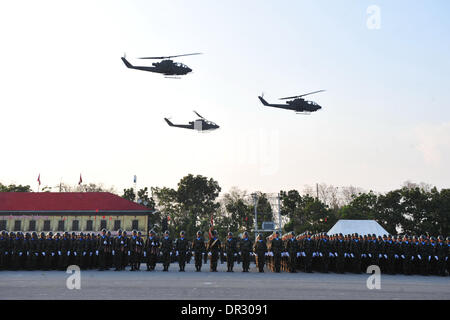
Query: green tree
x: 129, y: 194
x: 15, y: 188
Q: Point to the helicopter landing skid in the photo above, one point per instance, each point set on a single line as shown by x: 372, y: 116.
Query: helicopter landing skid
x: 304, y: 113
x: 172, y: 77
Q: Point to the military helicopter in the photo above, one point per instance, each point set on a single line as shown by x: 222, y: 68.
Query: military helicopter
x: 167, y: 66
x: 299, y: 105
x: 200, y: 124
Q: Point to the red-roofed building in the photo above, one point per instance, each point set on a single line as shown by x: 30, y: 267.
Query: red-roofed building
x: 70, y: 211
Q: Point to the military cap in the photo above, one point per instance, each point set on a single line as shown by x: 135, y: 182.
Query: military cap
x: 103, y: 230
x: 166, y: 232
x: 199, y: 232
x: 50, y: 233
x: 182, y: 233
x: 119, y: 231
x: 151, y: 231
x: 230, y: 234
x: 440, y: 237
x: 134, y: 231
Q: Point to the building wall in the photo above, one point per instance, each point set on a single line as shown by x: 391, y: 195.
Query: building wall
x: 126, y: 222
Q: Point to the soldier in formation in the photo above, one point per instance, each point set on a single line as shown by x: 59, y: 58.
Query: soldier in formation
x: 350, y: 253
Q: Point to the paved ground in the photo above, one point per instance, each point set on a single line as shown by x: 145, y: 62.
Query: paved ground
x: 221, y: 285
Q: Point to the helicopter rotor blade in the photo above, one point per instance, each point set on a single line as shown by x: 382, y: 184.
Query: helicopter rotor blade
x: 168, y: 57
x: 198, y: 114
x: 303, y: 95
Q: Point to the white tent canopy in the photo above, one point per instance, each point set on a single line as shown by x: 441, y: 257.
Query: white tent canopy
x: 361, y: 227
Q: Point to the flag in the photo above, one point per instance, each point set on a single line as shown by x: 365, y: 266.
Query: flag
x: 81, y: 180
x: 134, y: 179
x: 211, y: 223
x: 39, y: 179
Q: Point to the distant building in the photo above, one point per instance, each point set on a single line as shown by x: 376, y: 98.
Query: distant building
x: 70, y: 211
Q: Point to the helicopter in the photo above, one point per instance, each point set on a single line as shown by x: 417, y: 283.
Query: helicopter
x: 200, y: 124
x: 167, y: 66
x: 298, y: 104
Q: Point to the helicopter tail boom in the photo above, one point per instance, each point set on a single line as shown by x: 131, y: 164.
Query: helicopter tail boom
x: 168, y: 122
x: 129, y: 65
x: 264, y: 102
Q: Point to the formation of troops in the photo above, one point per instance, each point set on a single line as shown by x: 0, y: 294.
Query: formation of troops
x: 305, y: 252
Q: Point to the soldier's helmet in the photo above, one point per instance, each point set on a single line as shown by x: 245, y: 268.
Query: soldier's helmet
x: 277, y: 233
x: 27, y: 235
x: 440, y: 238
x: 50, y: 234
x: 108, y: 233
x: 448, y: 239
x: 199, y: 233
x: 134, y: 232
x: 182, y: 233
x: 34, y: 234
x: 293, y: 233
x: 151, y: 232
x: 166, y: 232
x: 230, y: 234
x: 119, y: 231
x: 245, y: 233
x: 58, y: 234
x: 433, y: 239
x: 42, y: 234
x: 103, y: 230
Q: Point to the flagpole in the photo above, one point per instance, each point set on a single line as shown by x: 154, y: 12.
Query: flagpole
x: 135, y: 187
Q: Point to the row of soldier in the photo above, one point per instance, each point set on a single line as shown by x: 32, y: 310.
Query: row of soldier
x: 354, y: 253
x: 320, y: 252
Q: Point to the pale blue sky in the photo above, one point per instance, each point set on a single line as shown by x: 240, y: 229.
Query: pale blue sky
x: 69, y: 105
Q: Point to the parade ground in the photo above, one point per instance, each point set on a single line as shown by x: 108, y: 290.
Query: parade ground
x: 95, y: 285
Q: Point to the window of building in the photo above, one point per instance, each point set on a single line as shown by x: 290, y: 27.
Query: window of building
x: 75, y: 225
x: 61, y: 225
x: 2, y: 224
x: 17, y: 225
x: 89, y: 225
x: 116, y: 225
x: 32, y: 225
x: 46, y: 225
x: 102, y: 224
x: 135, y: 225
